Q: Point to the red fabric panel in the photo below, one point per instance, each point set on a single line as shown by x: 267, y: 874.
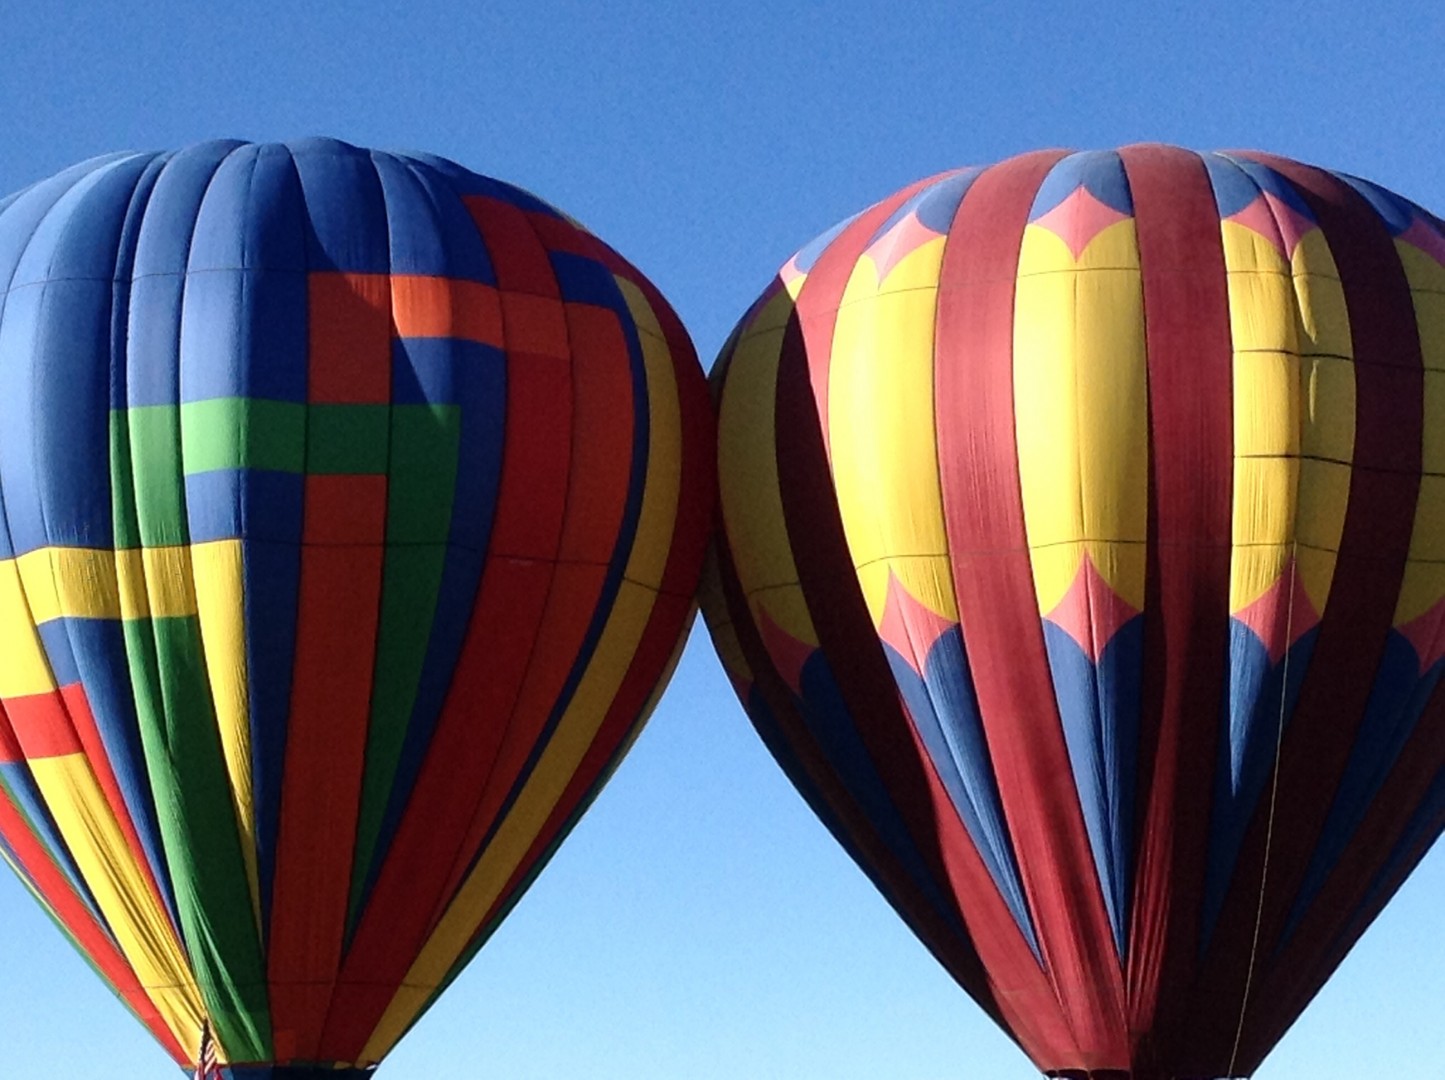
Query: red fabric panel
x: 350, y: 338
x: 602, y: 435
x: 9, y: 746
x: 1186, y: 632
x: 41, y: 725
x: 338, y: 611
x: 1384, y: 489
x: 79, y: 922
x: 412, y: 883
x: 1002, y: 631
x: 345, y: 509
x: 817, y: 304
x: 424, y: 307
x: 535, y: 324
x: 518, y: 257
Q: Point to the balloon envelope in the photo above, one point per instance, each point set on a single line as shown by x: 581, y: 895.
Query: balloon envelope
x: 353, y: 505
x: 1081, y: 563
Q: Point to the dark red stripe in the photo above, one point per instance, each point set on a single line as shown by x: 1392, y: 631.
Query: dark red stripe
x: 1186, y: 629
x: 849, y: 640
x: 1384, y: 489
x: 41, y: 726
x: 1003, y: 636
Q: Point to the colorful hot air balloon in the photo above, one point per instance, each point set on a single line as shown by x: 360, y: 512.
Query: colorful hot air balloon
x: 353, y: 505
x: 1083, y: 563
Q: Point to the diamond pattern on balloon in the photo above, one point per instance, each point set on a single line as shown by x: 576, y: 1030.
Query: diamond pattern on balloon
x: 1282, y: 614
x: 787, y: 653
x: 910, y: 626
x: 1275, y: 220
x: 1091, y: 612
x: 1078, y: 219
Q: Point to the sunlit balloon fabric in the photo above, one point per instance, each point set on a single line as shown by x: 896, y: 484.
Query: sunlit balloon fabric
x: 1083, y: 563
x: 351, y: 509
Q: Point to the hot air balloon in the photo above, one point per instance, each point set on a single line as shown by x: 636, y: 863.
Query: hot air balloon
x: 351, y: 509
x: 1082, y: 562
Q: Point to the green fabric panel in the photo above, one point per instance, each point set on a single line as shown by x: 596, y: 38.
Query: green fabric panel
x: 243, y: 433
x: 155, y: 439
x: 198, y: 828
x: 422, y: 475
x: 349, y: 439
x: 122, y: 488
x: 412, y: 578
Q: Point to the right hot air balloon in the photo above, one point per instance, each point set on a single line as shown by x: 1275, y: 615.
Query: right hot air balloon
x: 1082, y: 561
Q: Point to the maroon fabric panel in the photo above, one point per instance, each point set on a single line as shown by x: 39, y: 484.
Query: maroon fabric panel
x: 1384, y: 489
x: 993, y: 580
x: 1186, y: 629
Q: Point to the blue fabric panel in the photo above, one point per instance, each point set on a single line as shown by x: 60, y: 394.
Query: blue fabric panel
x: 935, y: 205
x: 1396, y: 702
x: 1237, y: 183
x: 479, y: 381
x: 98, y: 647
x: 20, y: 474
x: 431, y: 232
x: 124, y: 275
x: 345, y: 212
x: 465, y: 182
x: 58, y: 654
x: 243, y: 334
x: 272, y: 578
x: 1099, y: 172
x: 583, y: 280
x: 26, y: 209
x: 259, y: 504
x: 944, y: 710
x: 1099, y: 710
x: 19, y: 787
x: 1248, y: 734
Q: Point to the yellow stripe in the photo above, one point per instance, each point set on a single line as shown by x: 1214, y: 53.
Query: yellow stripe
x: 1081, y: 410
x: 24, y: 668
x: 1294, y: 412
x: 748, y: 487
x: 221, y: 605
x: 1424, y: 583
x: 882, y: 438
x: 647, y: 562
x: 93, y: 583
x: 140, y: 927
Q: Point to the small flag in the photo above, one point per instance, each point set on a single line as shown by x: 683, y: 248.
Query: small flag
x: 207, y: 1067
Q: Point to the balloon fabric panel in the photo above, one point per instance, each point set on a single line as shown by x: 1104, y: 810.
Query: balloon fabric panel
x: 1087, y: 500
x: 353, y: 505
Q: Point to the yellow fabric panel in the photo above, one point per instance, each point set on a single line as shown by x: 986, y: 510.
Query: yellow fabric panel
x: 752, y: 505
x: 70, y: 582
x: 221, y: 605
x: 483, y: 887
x: 1433, y: 459
x: 1294, y: 397
x: 658, y: 516
x: 1421, y: 270
x: 1323, y: 328
x: 24, y: 668
x: 1266, y: 406
x: 719, y: 622
x: 138, y: 923
x: 159, y: 584
x: 1263, y: 526
x: 1327, y: 408
x: 882, y: 438
x: 1114, y: 247
x: 1424, y: 583
x: 1081, y: 411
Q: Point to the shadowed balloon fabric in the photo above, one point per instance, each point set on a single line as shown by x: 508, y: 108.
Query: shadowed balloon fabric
x: 1083, y: 564
x: 351, y: 511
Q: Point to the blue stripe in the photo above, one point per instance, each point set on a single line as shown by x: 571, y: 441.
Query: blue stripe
x: 944, y: 709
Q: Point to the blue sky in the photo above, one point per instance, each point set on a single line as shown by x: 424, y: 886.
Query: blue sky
x: 699, y: 923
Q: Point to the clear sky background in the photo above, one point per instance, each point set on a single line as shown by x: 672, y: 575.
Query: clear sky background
x: 699, y: 923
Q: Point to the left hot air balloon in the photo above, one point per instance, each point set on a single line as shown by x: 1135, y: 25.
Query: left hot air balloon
x: 351, y: 510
